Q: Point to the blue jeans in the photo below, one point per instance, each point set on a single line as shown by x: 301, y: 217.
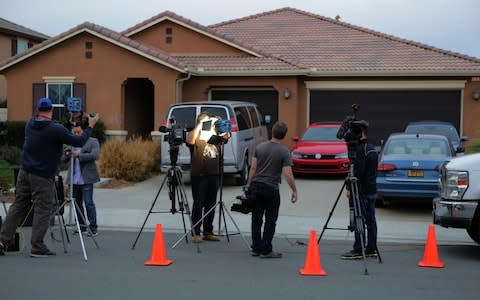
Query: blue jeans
x: 367, y: 204
x: 204, y: 191
x: 267, y: 202
x: 84, y: 193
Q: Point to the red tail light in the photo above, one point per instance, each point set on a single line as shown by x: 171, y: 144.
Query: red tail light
x: 165, y: 122
x: 234, y: 124
x: 386, y: 167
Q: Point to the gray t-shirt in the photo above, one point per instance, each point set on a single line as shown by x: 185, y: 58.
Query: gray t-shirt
x: 271, y: 158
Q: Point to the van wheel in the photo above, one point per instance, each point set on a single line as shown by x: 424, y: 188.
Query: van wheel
x: 242, y: 180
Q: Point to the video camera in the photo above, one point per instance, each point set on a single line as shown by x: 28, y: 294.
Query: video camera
x: 176, y: 134
x: 75, y: 108
x: 351, y: 131
x: 244, y: 202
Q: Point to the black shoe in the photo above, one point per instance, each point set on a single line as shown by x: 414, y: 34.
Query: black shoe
x: 372, y: 254
x: 92, y: 233
x: 352, y: 255
x: 255, y: 253
x: 2, y: 249
x: 42, y: 253
x: 271, y: 255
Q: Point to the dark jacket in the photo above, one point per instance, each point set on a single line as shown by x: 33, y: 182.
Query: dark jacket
x: 365, y: 168
x: 43, y: 146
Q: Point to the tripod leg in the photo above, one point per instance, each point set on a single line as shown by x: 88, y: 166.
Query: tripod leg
x: 359, y: 219
x: 331, y: 211
x: 149, y: 212
x: 74, y: 207
x: 236, y: 226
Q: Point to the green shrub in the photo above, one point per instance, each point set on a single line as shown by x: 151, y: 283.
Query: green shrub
x: 15, y: 133
x: 99, y: 132
x: 11, y: 154
x: 6, y: 175
x: 133, y: 160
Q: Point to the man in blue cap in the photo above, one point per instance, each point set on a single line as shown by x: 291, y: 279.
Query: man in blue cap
x: 42, y: 151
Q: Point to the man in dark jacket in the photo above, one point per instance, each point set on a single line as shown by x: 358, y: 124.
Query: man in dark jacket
x: 41, y: 155
x: 365, y: 170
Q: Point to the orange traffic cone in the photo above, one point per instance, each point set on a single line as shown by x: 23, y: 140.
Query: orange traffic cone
x: 312, y: 261
x: 430, y: 257
x: 159, y: 256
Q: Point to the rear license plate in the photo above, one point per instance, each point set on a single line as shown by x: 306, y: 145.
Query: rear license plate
x: 415, y: 173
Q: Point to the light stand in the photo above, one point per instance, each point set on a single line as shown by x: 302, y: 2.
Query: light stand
x: 218, y: 140
x: 176, y: 191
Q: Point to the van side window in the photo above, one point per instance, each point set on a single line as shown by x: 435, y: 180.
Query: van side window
x: 243, y: 120
x: 254, y: 116
x: 185, y: 117
x: 215, y: 111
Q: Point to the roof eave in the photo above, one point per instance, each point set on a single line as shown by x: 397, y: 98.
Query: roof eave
x: 393, y: 73
x: 202, y: 73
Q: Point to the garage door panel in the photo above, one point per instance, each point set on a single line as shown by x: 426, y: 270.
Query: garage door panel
x: 386, y: 111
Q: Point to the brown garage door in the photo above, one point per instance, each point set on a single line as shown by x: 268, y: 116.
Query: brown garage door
x: 386, y: 111
x: 267, y: 101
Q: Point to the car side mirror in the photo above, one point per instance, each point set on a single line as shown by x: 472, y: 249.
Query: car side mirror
x: 295, y: 139
x: 460, y: 149
x: 464, y: 138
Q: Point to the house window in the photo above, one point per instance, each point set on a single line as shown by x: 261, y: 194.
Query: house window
x: 168, y: 39
x: 168, y: 30
x: 88, y: 45
x: 58, y: 93
x: 19, y: 46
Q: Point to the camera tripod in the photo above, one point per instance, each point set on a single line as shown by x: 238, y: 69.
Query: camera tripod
x: 176, y: 192
x: 356, y: 211
x: 74, y: 209
x: 218, y: 140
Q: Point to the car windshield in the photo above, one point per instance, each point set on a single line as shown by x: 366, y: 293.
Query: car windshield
x: 417, y: 147
x: 314, y: 134
x: 448, y: 131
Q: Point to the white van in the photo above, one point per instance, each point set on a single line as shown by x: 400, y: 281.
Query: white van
x: 248, y: 130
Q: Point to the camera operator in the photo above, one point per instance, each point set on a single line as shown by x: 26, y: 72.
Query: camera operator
x: 85, y: 174
x: 270, y: 159
x: 41, y: 155
x: 205, y: 175
x: 365, y: 161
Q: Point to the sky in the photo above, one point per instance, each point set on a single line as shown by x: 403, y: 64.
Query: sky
x: 452, y: 25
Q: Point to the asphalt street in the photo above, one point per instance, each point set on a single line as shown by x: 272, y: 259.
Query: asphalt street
x: 225, y: 270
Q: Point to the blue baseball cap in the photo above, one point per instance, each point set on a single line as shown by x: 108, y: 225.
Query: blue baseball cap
x: 44, y: 104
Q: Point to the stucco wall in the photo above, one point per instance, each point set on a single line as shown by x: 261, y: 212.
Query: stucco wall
x: 104, y: 75
x: 184, y: 41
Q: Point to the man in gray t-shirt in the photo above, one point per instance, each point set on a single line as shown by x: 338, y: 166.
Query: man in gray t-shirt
x: 271, y: 158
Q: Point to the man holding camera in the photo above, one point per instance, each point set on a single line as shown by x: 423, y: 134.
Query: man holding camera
x: 41, y: 155
x: 365, y: 170
x: 205, y: 175
x: 270, y: 160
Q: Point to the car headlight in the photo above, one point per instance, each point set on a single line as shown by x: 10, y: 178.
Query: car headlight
x: 296, y: 155
x: 342, y: 155
x: 455, y: 185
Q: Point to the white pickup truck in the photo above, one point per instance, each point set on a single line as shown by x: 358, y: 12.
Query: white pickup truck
x: 458, y: 204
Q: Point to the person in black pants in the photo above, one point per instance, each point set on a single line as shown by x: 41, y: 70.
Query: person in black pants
x: 365, y: 169
x: 270, y: 160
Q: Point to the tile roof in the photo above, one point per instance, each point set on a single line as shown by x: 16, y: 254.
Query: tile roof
x: 236, y: 64
x: 15, y: 29
x: 327, y: 45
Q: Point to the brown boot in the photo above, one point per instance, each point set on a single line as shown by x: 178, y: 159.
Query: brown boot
x: 211, y: 238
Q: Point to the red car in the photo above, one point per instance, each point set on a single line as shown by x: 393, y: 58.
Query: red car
x: 319, y: 151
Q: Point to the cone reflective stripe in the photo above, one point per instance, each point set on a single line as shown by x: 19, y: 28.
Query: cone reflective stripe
x: 430, y: 256
x: 159, y: 256
x: 312, y: 261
